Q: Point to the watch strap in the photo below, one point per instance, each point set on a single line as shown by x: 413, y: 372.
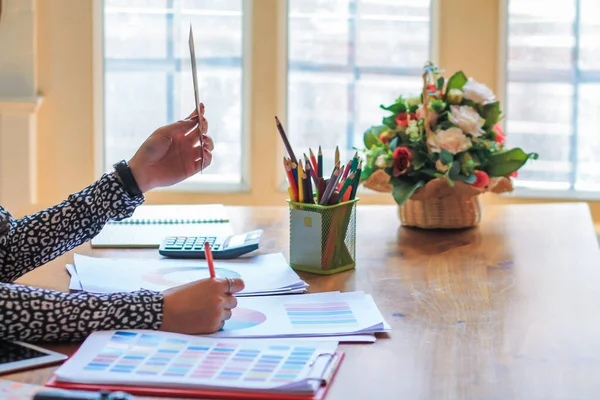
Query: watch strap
x: 127, y: 178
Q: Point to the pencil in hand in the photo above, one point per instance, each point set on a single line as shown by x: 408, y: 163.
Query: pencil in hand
x: 209, y: 259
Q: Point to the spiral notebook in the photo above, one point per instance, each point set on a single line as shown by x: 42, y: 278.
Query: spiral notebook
x: 150, y: 224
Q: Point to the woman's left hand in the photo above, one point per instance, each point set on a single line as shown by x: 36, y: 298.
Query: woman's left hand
x: 172, y: 153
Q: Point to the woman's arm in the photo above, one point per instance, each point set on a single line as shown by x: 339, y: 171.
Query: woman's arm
x: 34, y: 240
x: 32, y: 314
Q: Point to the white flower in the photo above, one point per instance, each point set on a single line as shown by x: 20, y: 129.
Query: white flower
x: 382, y: 161
x: 467, y: 119
x: 452, y: 139
x: 478, y: 92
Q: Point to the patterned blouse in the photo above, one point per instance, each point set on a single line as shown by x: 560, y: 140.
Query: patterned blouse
x: 33, y: 314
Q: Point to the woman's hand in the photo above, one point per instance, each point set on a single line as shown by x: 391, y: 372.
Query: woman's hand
x: 200, y: 307
x: 172, y: 153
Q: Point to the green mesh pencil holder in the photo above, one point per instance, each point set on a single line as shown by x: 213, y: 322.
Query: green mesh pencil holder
x: 323, y: 238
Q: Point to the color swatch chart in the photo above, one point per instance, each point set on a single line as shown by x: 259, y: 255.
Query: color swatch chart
x: 10, y: 390
x: 145, y: 356
x: 322, y: 315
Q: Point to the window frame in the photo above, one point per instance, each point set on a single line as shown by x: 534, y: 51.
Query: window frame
x: 262, y: 177
x: 501, y: 91
x: 208, y: 186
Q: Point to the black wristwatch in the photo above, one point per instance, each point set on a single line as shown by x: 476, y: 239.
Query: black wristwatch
x: 127, y: 178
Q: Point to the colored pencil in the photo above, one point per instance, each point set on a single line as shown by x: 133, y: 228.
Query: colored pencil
x: 294, y: 167
x: 209, y: 259
x: 347, y: 194
x: 308, y: 194
x: 355, y: 161
x: 300, y: 182
x: 346, y: 171
x: 347, y: 182
x: 320, y: 162
x: 356, y: 181
x: 292, y: 181
x: 286, y: 142
x: 315, y: 164
x: 337, y: 154
x: 331, y: 185
x: 312, y: 170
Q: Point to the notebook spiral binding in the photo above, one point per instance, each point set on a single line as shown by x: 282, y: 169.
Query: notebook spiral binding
x: 170, y: 221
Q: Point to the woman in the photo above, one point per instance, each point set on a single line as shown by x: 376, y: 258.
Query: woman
x: 170, y: 155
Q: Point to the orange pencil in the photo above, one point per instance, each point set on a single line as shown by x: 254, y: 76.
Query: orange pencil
x: 209, y: 260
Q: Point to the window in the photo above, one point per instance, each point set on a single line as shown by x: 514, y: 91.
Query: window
x: 552, y: 102
x: 345, y: 57
x: 147, y: 75
x: 338, y: 72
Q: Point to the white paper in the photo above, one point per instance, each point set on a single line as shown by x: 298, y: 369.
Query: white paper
x: 318, y: 314
x: 262, y: 274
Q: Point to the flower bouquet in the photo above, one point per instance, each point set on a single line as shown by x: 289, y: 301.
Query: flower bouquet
x: 437, y: 152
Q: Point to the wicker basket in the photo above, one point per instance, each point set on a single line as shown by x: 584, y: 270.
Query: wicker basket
x: 447, y: 212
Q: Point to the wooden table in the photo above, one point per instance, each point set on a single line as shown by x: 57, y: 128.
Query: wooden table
x: 508, y: 310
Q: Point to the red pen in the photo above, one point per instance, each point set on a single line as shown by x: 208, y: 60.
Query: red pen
x: 209, y: 259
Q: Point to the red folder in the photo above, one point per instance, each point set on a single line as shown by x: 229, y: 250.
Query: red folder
x: 203, y: 393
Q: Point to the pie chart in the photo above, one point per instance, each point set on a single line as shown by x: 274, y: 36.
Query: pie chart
x: 175, y: 276
x: 244, y: 318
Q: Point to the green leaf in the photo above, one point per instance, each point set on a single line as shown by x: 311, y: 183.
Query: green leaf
x: 394, y: 143
x: 440, y: 83
x: 445, y: 125
x: 446, y: 157
x: 371, y: 136
x: 506, y: 162
x: 456, y: 81
x: 491, y: 114
x: 418, y: 161
x: 402, y: 190
x: 390, y: 122
x: 438, y: 105
x: 395, y: 108
x: 413, y: 109
x: 454, y: 171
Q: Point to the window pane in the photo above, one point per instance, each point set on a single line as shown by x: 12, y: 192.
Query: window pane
x: 346, y: 57
x: 148, y: 80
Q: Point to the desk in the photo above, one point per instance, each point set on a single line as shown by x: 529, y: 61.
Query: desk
x: 508, y: 310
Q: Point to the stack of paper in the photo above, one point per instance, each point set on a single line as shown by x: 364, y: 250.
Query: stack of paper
x: 311, y: 315
x: 263, y: 274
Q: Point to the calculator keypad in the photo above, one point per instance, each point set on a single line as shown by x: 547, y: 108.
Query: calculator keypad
x: 191, y: 243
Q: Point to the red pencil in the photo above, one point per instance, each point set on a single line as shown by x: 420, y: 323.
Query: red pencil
x: 315, y: 165
x: 209, y: 260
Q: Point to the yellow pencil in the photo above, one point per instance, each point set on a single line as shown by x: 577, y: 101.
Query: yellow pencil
x: 300, y: 188
x: 337, y: 154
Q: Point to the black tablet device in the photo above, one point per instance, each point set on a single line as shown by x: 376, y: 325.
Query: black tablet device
x: 16, y: 356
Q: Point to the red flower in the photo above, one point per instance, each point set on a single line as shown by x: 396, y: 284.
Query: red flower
x: 402, y: 119
x: 499, y: 133
x: 481, y: 179
x: 402, y: 159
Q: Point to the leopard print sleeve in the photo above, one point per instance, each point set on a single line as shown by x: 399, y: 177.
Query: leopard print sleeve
x: 33, y: 314
x: 31, y: 241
